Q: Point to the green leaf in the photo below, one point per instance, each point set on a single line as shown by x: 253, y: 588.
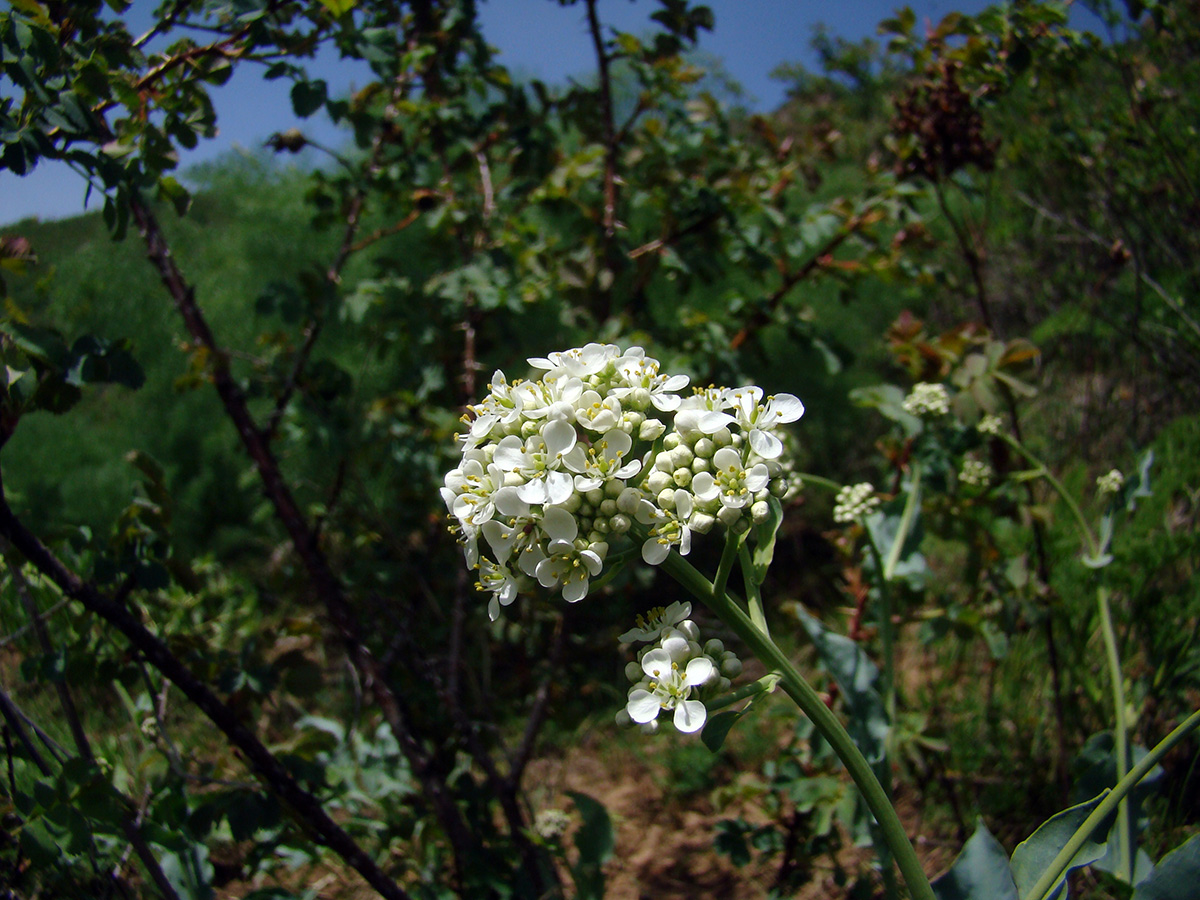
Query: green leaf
x: 765, y: 532
x: 308, y: 97
x: 980, y: 872
x: 716, y: 729
x: 1176, y: 875
x: 595, y: 843
x: 1033, y: 856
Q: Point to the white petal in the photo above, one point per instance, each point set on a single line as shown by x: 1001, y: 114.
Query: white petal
x: 712, y: 422
x: 559, y: 524
x: 559, y: 437
x: 704, y: 486
x: 765, y: 444
x: 698, y: 671
x: 575, y: 590
x: 689, y: 716
x: 654, y: 551
x: 785, y: 408
x: 657, y: 662
x: 559, y: 486
x: 643, y: 706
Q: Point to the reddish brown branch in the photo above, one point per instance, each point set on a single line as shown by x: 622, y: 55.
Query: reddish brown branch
x: 304, y: 539
x: 306, y: 807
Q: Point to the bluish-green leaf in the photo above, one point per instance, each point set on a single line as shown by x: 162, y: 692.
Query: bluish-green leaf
x: 981, y: 872
x: 1033, y: 856
x: 1176, y: 876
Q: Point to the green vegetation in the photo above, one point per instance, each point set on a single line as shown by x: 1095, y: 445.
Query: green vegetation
x: 241, y: 654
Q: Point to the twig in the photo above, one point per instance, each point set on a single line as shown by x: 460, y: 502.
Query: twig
x: 606, y: 113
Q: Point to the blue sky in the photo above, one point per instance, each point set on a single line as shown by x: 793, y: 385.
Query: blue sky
x: 534, y: 37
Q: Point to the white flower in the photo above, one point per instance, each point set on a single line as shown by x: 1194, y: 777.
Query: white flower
x: 644, y: 386
x: 670, y: 688
x: 729, y: 480
x: 656, y: 622
x: 500, y: 581
x: 854, y: 502
x: 551, y: 824
x: 579, y: 362
x: 603, y: 460
x: 669, y: 528
x: 976, y: 473
x: 1111, y: 482
x: 927, y: 399
x: 539, y: 461
x: 758, y: 420
x: 989, y: 424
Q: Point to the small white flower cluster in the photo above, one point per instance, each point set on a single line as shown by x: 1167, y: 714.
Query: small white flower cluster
x: 976, y: 473
x: 928, y: 399
x: 554, y: 469
x: 990, y: 425
x: 673, y: 671
x: 551, y: 824
x: 854, y: 502
x: 1110, y: 482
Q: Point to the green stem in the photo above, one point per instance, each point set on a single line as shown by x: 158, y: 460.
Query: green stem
x: 911, y: 505
x: 819, y: 481
x: 1120, y: 735
x: 885, y: 629
x: 764, y: 685
x: 819, y: 714
x: 1103, y: 810
x: 753, y: 596
x: 725, y: 566
x: 1040, y: 467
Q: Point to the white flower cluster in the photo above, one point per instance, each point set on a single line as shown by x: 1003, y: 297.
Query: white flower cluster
x: 673, y: 671
x: 551, y: 824
x: 854, y: 502
x: 553, y: 469
x: 991, y: 425
x: 976, y: 473
x: 928, y: 399
x: 1110, y: 482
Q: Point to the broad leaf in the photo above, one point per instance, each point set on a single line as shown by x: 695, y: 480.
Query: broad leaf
x: 1176, y: 875
x: 981, y: 872
x: 1033, y: 856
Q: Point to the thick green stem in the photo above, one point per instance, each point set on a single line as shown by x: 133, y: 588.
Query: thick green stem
x: 1120, y: 733
x: 885, y: 630
x: 725, y: 566
x: 1115, y: 798
x: 819, y: 714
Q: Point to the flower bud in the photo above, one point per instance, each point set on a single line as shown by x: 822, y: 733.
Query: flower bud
x: 671, y: 441
x: 682, y: 477
x: 622, y: 718
x: 731, y: 666
x: 651, y: 430
x: 619, y: 524
x: 657, y: 481
x: 729, y: 516
x: 701, y: 522
x: 723, y: 684
x: 608, y: 507
x: 705, y: 448
x: 714, y: 647
x: 666, y: 498
x: 691, y: 631
x: 633, y: 671
x: 760, y: 511
x: 700, y: 464
x: 595, y: 497
x: 627, y: 501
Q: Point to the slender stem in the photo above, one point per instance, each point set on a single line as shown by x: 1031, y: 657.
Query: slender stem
x: 1044, y: 472
x: 811, y: 704
x: 1104, y: 809
x: 819, y: 481
x: 885, y: 628
x: 764, y: 685
x: 1120, y: 736
x: 912, y: 505
x: 753, y: 595
x: 725, y: 566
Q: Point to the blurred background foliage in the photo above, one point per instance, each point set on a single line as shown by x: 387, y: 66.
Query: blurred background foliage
x: 998, y: 201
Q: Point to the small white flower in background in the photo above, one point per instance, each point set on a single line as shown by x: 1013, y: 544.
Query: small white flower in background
x: 551, y: 824
x: 992, y: 425
x: 1110, y: 482
x: 928, y: 399
x: 854, y: 502
x: 976, y: 473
